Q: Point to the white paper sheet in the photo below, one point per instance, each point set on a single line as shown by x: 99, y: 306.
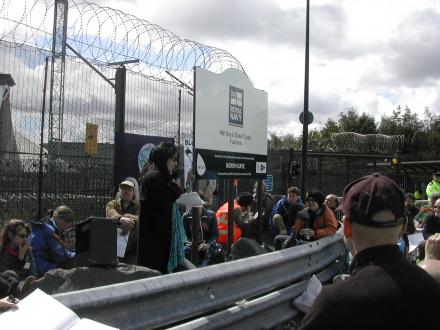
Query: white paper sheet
x: 414, y: 240
x: 39, y: 311
x: 121, y: 242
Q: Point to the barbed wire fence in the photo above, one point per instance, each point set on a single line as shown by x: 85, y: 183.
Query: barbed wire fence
x: 100, y: 35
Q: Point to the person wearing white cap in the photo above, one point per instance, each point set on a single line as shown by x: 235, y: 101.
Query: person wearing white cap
x: 126, y: 210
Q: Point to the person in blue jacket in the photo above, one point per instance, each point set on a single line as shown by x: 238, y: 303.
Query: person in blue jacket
x: 284, y: 212
x: 48, y: 241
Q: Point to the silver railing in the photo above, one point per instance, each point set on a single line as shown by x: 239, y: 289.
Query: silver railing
x: 245, y: 293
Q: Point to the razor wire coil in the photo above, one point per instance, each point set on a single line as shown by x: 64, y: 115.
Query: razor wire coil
x: 107, y: 35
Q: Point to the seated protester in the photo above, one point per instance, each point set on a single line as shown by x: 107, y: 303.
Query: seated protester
x: 426, y: 210
x: 331, y: 201
x: 432, y: 222
x: 14, y: 249
x: 48, y: 242
x: 408, y: 224
x: 240, y: 217
x: 284, y: 212
x: 312, y: 223
x: 410, y: 212
x: 403, y: 242
x: 267, y: 203
x: 125, y: 209
x: 208, y: 234
x: 316, y: 220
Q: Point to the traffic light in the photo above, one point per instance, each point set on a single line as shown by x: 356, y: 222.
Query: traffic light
x: 295, y: 170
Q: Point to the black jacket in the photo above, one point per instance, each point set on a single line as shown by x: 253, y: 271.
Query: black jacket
x: 431, y: 226
x: 10, y: 262
x: 157, y: 195
x: 208, y: 224
x: 385, y: 291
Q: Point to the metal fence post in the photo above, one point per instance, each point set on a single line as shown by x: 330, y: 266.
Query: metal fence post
x: 40, y: 168
x: 230, y: 216
x: 120, y: 84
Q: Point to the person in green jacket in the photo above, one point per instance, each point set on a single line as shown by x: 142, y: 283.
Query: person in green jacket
x: 434, y: 185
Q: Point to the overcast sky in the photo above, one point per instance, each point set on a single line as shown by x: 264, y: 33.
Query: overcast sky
x: 368, y: 54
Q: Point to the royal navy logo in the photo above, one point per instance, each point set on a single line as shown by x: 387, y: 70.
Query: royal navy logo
x: 235, y: 106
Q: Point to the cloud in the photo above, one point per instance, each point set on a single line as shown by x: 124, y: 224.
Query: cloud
x: 259, y: 21
x: 416, y: 49
x: 322, y: 107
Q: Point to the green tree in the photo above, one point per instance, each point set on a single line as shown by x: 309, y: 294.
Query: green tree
x: 351, y: 121
x: 407, y: 124
x: 430, y: 136
x: 287, y: 141
x: 330, y: 127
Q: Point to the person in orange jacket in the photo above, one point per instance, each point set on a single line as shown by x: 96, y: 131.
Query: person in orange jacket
x: 316, y: 220
x: 241, y: 223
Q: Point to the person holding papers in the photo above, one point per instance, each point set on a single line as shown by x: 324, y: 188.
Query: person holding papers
x: 125, y: 209
x: 161, y: 233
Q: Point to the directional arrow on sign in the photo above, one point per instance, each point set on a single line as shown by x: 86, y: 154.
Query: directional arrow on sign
x: 260, y: 167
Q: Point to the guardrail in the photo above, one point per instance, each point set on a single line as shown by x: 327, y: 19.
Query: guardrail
x: 207, y: 297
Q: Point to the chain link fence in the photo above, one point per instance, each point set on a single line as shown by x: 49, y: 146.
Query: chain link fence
x: 69, y: 175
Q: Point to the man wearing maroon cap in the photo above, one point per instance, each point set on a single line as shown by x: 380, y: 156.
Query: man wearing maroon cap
x: 383, y: 285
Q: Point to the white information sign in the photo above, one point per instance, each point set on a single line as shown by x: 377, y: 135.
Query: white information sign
x: 230, y: 125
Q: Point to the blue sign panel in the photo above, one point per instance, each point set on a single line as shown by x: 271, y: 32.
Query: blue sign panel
x: 269, y: 183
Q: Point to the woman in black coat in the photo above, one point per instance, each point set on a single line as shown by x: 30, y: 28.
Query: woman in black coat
x: 158, y: 191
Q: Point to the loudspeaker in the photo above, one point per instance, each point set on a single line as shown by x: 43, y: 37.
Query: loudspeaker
x: 95, y: 243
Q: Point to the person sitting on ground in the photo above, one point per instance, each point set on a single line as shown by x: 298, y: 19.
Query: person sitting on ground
x: 267, y: 203
x: 48, y: 241
x: 381, y: 284
x: 315, y: 221
x: 240, y: 216
x: 432, y: 222
x: 284, y: 212
x: 431, y: 263
x: 410, y: 211
x: 126, y: 210
x: 434, y: 185
x: 331, y: 200
x: 208, y: 234
x: 14, y: 249
x: 425, y: 210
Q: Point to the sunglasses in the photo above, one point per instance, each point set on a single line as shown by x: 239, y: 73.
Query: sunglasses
x: 310, y: 201
x: 21, y: 235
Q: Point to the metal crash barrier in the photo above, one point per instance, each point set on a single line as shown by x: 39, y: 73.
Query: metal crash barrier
x: 247, y: 293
